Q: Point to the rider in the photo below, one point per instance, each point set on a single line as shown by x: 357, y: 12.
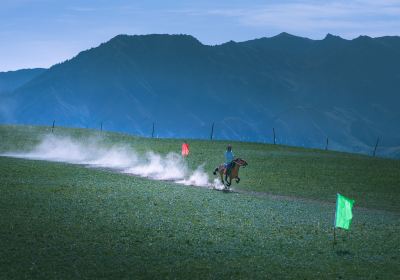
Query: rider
x: 228, y: 160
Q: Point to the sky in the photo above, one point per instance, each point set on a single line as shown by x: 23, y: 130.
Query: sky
x: 40, y: 33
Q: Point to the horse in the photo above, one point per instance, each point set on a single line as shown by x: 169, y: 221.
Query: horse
x: 234, y: 171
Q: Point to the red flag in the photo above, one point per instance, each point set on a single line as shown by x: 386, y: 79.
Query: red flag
x: 185, y: 149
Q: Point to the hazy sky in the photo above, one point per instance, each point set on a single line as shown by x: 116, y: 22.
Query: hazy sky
x: 40, y: 33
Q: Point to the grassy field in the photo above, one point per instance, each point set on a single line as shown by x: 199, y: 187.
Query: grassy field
x: 66, y: 221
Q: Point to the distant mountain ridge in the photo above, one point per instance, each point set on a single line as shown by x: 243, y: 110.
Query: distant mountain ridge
x: 308, y: 90
x: 11, y: 80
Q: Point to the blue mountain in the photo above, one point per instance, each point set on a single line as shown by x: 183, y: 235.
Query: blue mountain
x: 307, y: 90
x: 11, y: 80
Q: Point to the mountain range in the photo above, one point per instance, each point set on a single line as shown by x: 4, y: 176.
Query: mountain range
x: 306, y: 90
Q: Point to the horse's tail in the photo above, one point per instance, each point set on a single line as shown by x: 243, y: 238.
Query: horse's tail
x: 215, y: 171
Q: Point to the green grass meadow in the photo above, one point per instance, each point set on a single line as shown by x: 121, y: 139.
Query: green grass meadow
x: 64, y: 221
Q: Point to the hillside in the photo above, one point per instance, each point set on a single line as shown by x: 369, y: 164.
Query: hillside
x: 307, y: 90
x: 60, y: 220
x: 11, y: 80
x: 273, y: 169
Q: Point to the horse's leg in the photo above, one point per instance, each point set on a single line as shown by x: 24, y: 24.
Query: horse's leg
x: 235, y: 174
x: 230, y: 181
x: 215, y: 171
x: 222, y: 177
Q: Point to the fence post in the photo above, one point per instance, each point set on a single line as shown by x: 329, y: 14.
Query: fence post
x: 376, y: 146
x: 212, y: 131
x: 52, y: 128
x: 152, y: 132
x: 273, y: 129
x: 101, y: 127
x: 327, y: 143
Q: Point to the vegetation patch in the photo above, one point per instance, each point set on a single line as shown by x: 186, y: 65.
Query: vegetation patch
x: 66, y: 221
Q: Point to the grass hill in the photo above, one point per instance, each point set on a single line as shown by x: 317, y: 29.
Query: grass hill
x: 307, y: 90
x: 61, y: 220
x: 274, y: 169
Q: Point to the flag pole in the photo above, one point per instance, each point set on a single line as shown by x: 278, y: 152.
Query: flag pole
x: 334, y: 237
x: 334, y: 222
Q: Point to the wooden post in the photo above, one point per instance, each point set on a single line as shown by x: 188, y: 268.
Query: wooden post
x: 334, y: 237
x: 376, y: 146
x: 152, y: 132
x: 52, y: 128
x: 101, y: 126
x: 212, y: 131
x: 327, y: 143
x: 334, y: 222
x: 273, y: 129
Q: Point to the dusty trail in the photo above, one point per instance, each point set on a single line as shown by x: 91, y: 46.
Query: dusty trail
x: 204, y: 184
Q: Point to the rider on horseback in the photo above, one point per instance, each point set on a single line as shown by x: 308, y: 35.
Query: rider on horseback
x: 228, y: 160
x: 230, y: 168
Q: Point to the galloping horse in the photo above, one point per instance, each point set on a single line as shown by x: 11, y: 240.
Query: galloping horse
x: 234, y: 172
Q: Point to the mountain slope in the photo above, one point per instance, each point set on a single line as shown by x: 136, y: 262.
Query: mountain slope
x: 11, y: 80
x: 307, y: 90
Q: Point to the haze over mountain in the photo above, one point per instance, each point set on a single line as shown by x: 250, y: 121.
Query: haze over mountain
x: 347, y: 90
x: 11, y: 80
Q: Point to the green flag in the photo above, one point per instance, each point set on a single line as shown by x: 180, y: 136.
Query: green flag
x: 344, y: 213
